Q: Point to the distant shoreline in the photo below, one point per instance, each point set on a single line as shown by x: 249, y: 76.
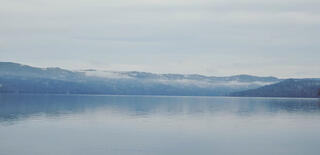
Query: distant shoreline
x: 71, y: 94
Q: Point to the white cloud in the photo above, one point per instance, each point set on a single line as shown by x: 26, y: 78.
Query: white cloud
x: 194, y: 36
x: 106, y: 74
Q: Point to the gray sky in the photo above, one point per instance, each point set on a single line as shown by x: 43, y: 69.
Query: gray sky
x: 212, y: 37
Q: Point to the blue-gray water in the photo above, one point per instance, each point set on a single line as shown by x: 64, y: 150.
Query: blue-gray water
x: 146, y: 125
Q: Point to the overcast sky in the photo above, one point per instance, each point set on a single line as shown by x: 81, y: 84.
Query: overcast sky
x: 211, y: 37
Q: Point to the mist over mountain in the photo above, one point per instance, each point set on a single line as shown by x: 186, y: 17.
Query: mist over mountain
x: 18, y: 78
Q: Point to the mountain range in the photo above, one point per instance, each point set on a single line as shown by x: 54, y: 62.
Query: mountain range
x: 18, y: 78
x: 286, y: 88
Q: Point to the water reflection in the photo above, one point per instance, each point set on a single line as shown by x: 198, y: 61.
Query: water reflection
x: 16, y: 107
x: 146, y: 125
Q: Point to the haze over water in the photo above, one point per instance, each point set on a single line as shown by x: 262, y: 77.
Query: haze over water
x: 156, y: 125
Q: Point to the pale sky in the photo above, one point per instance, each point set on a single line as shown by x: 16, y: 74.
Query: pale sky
x: 211, y: 37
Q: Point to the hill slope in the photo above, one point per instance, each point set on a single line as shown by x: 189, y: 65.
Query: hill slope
x: 17, y: 78
x: 286, y: 88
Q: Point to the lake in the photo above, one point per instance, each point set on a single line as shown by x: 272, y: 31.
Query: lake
x: 157, y: 125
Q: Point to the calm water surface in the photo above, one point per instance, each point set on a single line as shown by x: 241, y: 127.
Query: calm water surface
x: 146, y: 125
